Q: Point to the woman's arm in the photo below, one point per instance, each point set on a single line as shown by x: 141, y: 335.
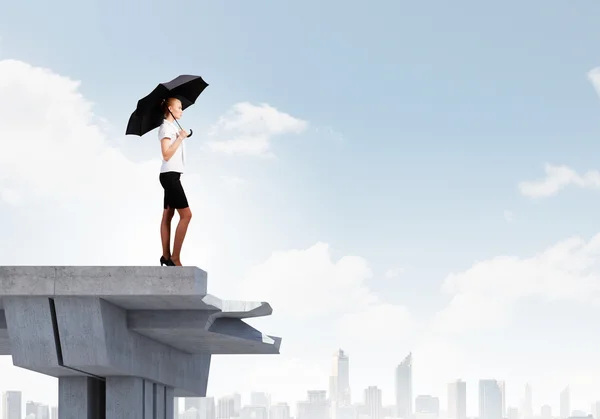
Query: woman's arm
x: 169, y: 150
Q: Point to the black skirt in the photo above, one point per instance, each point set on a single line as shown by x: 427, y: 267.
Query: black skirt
x: 174, y: 193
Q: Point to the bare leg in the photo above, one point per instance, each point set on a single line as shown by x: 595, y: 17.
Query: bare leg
x: 165, y: 232
x: 185, y: 215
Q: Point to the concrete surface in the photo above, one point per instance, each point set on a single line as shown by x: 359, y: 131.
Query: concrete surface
x: 123, y: 341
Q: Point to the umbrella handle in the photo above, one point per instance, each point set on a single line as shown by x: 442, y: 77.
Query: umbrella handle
x: 177, y: 122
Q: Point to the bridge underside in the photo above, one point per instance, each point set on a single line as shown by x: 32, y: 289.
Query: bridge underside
x: 123, y: 341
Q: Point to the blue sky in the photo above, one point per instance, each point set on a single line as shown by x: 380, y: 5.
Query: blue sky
x: 423, y: 119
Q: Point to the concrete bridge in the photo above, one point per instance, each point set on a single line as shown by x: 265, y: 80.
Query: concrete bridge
x: 123, y: 341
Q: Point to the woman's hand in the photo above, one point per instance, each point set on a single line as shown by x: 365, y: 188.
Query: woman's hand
x: 182, y: 134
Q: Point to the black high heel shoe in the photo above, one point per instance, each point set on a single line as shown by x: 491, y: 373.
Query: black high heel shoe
x: 167, y: 262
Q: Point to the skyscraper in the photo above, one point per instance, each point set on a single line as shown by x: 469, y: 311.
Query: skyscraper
x: 457, y: 400
x: 11, y: 405
x: 373, y: 402
x: 565, y: 403
x: 339, y: 382
x: 528, y: 403
x: 502, y: 386
x: 490, y: 399
x: 404, y: 395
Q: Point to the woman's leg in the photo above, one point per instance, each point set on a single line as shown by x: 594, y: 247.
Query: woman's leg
x: 185, y: 215
x: 165, y: 231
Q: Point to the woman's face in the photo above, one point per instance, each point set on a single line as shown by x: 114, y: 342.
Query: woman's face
x: 176, y: 109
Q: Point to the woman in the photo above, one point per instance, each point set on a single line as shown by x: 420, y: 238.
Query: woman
x: 171, y: 142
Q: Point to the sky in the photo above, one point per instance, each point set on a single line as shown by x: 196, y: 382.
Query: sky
x: 390, y: 176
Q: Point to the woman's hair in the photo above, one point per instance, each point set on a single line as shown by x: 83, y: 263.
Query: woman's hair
x: 166, y: 103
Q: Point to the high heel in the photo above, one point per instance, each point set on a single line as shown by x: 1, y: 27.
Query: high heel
x: 167, y: 262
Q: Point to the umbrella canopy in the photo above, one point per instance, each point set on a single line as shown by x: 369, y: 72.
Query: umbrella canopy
x: 149, y: 114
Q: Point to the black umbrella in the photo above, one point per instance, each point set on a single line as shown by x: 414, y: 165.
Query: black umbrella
x: 149, y: 114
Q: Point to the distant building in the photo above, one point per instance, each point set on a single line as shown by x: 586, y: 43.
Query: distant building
x: 528, y: 403
x: 339, y: 383
x: 490, y: 399
x: 226, y: 408
x: 203, y: 406
x: 457, y: 400
x: 316, y: 407
x: 38, y: 410
x: 512, y: 413
x: 546, y: 412
x: 595, y: 410
x: 279, y: 411
x: 11, y: 405
x: 189, y: 413
x: 254, y: 412
x: 427, y: 407
x: 259, y: 398
x: 348, y: 412
x: 565, y: 403
x: 373, y: 402
x: 404, y: 388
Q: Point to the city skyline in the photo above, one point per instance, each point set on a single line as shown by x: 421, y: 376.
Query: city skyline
x: 230, y: 405
x: 490, y: 396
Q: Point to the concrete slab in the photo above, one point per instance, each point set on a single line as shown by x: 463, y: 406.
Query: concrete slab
x: 26, y: 281
x: 123, y: 327
x: 132, y: 286
x: 197, y: 332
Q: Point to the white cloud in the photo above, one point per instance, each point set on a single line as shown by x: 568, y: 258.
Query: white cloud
x: 53, y: 151
x: 308, y: 283
x: 438, y: 362
x: 558, y: 178
x: 372, y: 323
x: 594, y: 77
x: 249, y: 129
x: 393, y: 273
x: 483, y: 295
